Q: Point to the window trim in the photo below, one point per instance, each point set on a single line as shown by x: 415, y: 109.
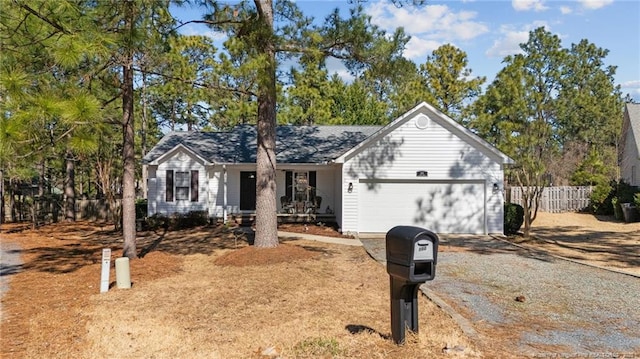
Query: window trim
x: 182, y: 185
x: 184, y: 189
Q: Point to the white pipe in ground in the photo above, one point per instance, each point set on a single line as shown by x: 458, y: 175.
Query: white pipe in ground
x: 123, y: 276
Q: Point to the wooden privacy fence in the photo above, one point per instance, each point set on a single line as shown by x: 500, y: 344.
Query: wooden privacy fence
x: 559, y: 199
x: 94, y: 209
x: 53, y: 210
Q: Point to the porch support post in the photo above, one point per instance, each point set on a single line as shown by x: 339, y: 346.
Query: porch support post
x: 224, y: 196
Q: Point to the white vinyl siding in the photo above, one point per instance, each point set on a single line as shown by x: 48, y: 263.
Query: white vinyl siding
x: 629, y: 153
x: 325, y: 189
x: 630, y: 160
x: 438, y: 150
x: 216, y: 199
x: 180, y: 161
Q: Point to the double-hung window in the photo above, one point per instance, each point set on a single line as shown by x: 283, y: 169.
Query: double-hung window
x: 182, y: 186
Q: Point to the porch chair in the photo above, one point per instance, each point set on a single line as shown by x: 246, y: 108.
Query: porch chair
x: 285, y: 202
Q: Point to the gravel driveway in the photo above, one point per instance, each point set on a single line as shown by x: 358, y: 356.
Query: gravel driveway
x: 531, y: 304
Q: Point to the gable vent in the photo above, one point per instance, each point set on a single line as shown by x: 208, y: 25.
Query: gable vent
x: 422, y: 122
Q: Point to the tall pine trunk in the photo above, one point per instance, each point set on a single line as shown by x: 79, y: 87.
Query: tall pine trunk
x: 70, y: 190
x: 128, y: 150
x: 1, y: 196
x: 143, y: 132
x: 266, y: 206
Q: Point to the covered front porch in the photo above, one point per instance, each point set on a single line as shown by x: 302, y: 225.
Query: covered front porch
x: 305, y: 194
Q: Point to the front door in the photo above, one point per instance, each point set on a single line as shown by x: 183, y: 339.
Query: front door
x: 301, y: 188
x: 247, y: 191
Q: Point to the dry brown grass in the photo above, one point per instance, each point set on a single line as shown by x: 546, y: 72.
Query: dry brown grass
x: 597, y: 240
x: 323, y: 301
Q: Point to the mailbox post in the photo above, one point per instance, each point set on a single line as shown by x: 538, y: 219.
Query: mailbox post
x: 412, y: 253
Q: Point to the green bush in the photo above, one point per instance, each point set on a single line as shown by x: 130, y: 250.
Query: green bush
x: 513, y: 218
x: 617, y: 209
x: 157, y: 221
x: 141, y: 208
x: 601, y: 198
x: 625, y: 192
x: 604, y: 196
x: 178, y: 221
x: 195, y: 219
x: 636, y: 200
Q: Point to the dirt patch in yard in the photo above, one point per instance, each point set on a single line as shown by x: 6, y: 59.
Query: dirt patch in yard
x: 304, y: 299
x: 584, y: 237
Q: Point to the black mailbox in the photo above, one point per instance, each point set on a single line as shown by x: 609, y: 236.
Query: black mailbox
x: 412, y: 254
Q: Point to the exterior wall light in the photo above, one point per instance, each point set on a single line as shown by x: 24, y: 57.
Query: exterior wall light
x: 496, y: 188
x: 350, y: 187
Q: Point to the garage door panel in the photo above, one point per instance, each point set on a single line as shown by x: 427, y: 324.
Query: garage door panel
x: 440, y: 207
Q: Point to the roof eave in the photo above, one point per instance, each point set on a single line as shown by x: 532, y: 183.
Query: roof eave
x: 160, y: 158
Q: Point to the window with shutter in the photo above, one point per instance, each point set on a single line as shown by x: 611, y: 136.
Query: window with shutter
x: 194, y: 186
x: 169, y: 186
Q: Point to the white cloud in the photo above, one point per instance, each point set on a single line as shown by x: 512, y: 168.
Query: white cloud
x: 418, y: 48
x: 565, y: 10
x: 429, y: 26
x: 632, y: 88
x: 595, y: 4
x: 526, y: 5
x: 335, y: 66
x: 508, y: 43
x: 200, y: 30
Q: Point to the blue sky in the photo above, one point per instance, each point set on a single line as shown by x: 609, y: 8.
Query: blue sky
x: 490, y: 30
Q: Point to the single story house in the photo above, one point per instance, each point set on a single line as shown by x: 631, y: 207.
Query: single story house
x: 422, y: 169
x: 629, y: 153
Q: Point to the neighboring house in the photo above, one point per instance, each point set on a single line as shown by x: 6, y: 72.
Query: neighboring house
x: 629, y: 154
x: 422, y: 169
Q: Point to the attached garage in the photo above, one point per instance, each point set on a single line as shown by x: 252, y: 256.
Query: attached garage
x: 441, y: 206
x: 423, y: 169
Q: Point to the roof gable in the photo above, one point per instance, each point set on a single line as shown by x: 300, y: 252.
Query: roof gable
x: 177, y: 149
x: 445, y: 121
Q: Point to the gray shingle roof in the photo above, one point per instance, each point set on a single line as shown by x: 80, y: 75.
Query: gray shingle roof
x: 294, y: 144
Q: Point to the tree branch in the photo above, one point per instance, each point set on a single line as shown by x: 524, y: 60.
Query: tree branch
x: 48, y: 21
x: 208, y: 22
x: 197, y: 83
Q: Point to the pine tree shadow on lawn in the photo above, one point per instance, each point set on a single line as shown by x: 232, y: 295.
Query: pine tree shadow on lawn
x: 67, y: 247
x: 357, y: 329
x: 486, y: 245
x: 198, y: 240
x: 580, y: 244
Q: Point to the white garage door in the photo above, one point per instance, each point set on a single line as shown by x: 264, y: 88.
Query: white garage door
x: 451, y: 207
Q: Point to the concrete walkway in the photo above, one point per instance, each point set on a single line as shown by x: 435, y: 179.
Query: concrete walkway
x: 334, y: 240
